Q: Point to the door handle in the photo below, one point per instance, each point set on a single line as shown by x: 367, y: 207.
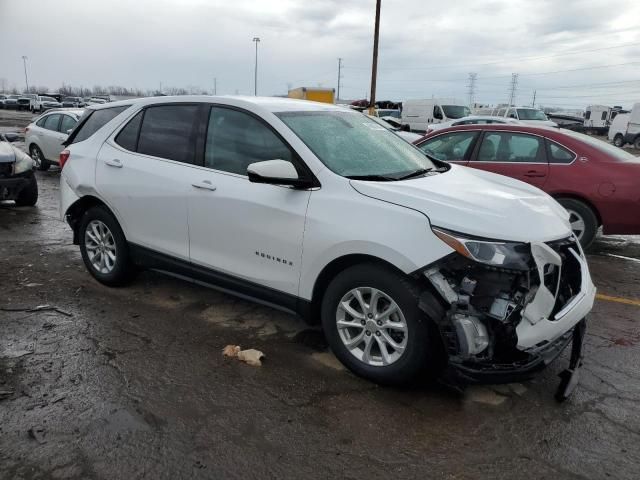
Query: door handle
x: 534, y: 174
x: 114, y: 163
x: 204, y: 185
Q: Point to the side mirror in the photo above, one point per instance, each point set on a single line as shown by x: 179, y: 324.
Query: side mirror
x: 276, y: 172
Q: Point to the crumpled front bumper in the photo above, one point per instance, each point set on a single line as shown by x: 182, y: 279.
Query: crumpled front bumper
x: 11, y: 187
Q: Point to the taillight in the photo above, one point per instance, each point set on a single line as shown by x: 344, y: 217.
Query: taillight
x: 26, y: 129
x: 64, y: 156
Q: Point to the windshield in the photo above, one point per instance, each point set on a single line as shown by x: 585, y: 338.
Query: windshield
x: 14, y: 96
x: 352, y: 145
x: 48, y: 99
x: 531, y: 114
x: 389, y: 113
x: 456, y: 111
x: 609, y: 149
x: 69, y: 99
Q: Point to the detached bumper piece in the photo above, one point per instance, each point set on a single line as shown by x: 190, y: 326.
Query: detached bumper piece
x: 505, y: 325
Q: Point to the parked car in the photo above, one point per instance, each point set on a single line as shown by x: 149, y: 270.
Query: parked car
x: 471, y: 120
x: 73, y: 102
x: 44, y: 137
x: 3, y: 100
x: 406, y: 261
x: 417, y: 115
x: 625, y: 128
x: 595, y: 182
x: 528, y: 115
x: 11, y: 102
x: 23, y: 102
x: 44, y: 103
x: 395, y: 128
x: 17, y: 181
x: 96, y: 101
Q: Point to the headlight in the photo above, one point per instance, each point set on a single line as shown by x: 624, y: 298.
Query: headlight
x: 511, y: 255
x: 23, y: 163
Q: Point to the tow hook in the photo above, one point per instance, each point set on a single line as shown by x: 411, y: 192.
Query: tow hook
x: 569, y: 378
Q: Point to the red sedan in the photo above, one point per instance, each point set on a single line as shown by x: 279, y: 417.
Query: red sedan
x: 597, y: 183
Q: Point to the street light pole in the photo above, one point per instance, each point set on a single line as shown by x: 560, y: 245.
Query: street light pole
x: 26, y: 78
x: 339, y: 76
x: 255, y: 79
x: 374, y: 66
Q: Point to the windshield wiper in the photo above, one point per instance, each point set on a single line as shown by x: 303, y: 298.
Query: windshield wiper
x: 415, y: 173
x: 378, y: 178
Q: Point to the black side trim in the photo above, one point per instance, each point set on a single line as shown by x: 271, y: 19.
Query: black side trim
x: 185, y: 270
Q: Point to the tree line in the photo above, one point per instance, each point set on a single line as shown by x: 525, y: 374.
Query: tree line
x: 115, y: 90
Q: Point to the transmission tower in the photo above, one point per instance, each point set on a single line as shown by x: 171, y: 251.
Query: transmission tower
x: 512, y: 88
x: 471, y: 88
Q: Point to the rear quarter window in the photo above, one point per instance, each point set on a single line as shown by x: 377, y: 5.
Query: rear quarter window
x: 94, y: 121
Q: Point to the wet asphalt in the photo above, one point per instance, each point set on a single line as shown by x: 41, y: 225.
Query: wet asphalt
x: 131, y: 383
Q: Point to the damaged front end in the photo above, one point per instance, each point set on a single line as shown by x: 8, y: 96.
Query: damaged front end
x: 510, y: 308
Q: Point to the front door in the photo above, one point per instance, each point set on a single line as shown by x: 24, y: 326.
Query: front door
x: 247, y: 230
x: 517, y: 155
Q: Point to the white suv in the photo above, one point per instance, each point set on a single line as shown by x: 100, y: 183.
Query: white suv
x: 316, y: 209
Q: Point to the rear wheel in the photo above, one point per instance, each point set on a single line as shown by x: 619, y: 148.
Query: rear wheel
x: 28, y: 196
x: 584, y: 222
x: 104, y: 248
x: 618, y: 140
x: 372, y: 322
x: 36, y: 154
x: 636, y: 143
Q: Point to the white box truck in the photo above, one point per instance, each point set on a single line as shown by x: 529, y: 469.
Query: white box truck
x: 417, y: 115
x: 625, y: 128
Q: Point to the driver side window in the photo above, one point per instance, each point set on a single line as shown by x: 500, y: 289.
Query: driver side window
x: 236, y: 139
x: 450, y: 146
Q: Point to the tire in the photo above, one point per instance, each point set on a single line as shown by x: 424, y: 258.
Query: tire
x: 117, y: 268
x: 417, y: 352
x: 580, y: 212
x: 28, y: 196
x: 618, y: 141
x: 36, y: 154
x: 636, y: 143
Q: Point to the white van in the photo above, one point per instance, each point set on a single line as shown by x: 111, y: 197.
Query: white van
x: 625, y: 128
x: 417, y: 115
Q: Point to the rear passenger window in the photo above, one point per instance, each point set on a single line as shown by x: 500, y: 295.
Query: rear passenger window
x: 559, y: 154
x: 67, y: 124
x: 166, y: 132
x: 236, y: 139
x: 128, y: 136
x: 51, y: 122
x: 95, y: 121
x: 511, y: 147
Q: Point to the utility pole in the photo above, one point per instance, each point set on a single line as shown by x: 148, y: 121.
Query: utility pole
x: 160, y: 87
x: 339, y: 76
x: 26, y: 78
x: 472, y: 88
x: 533, y: 103
x: 215, y: 86
x: 255, y: 80
x: 513, y: 88
x: 374, y: 66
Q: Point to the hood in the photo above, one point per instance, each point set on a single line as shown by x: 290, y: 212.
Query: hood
x: 477, y: 203
x: 539, y: 123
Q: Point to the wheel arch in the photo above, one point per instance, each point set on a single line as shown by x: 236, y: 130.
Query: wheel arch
x: 76, y: 210
x: 332, y: 269
x: 580, y: 198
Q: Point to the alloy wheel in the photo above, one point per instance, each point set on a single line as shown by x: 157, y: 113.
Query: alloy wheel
x: 35, y: 155
x: 100, y: 246
x: 372, y: 326
x: 577, y: 224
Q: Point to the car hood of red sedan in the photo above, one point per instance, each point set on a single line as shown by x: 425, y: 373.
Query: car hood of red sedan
x: 477, y: 203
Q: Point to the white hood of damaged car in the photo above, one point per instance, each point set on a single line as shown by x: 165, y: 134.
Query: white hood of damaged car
x: 477, y: 203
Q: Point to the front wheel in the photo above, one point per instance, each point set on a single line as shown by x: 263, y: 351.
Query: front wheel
x: 372, y: 322
x: 104, y: 248
x: 584, y: 222
x: 618, y: 141
x: 28, y: 196
x: 636, y: 143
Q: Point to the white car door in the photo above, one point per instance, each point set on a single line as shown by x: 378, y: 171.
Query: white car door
x: 247, y: 230
x: 140, y: 173
x: 50, y: 138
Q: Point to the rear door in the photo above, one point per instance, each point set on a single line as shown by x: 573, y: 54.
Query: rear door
x: 518, y: 155
x: 452, y: 147
x: 142, y: 174
x: 51, y: 139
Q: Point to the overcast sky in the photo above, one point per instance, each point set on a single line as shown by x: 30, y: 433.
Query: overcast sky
x: 573, y: 52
